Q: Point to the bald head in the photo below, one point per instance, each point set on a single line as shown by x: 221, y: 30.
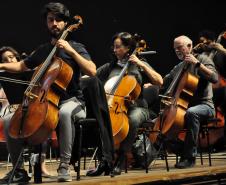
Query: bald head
x: 183, y: 40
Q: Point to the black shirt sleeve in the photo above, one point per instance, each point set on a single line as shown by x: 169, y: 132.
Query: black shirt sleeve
x: 80, y: 48
x: 103, y: 72
x: 38, y: 56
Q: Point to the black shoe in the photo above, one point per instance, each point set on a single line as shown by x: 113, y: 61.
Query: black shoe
x: 185, y: 163
x: 20, y: 176
x: 119, y: 164
x: 117, y: 170
x: 103, y: 167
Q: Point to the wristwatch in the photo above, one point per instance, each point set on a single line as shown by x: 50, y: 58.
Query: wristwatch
x: 197, y: 65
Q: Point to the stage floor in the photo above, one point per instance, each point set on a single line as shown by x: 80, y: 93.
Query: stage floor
x: 200, y: 174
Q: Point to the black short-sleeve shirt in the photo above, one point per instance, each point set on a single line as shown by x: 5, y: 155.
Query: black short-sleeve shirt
x: 41, y: 53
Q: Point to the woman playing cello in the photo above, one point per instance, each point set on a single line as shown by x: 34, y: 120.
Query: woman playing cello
x: 123, y: 46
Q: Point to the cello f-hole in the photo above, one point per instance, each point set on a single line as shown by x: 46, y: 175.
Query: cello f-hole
x: 43, y: 92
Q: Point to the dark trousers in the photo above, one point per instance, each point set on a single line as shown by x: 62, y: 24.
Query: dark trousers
x: 96, y: 101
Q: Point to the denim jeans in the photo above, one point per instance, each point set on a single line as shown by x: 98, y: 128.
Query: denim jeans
x: 193, y: 118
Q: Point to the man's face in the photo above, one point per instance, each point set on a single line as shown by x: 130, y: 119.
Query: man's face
x: 204, y: 40
x: 181, y: 49
x: 55, y: 25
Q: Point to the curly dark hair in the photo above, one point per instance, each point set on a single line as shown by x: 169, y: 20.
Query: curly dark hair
x: 58, y: 9
x: 208, y: 35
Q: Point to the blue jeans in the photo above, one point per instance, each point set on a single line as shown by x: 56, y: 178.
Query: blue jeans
x: 193, y: 118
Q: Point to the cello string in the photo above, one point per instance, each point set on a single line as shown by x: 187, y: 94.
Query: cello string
x: 16, y: 81
x: 45, y: 65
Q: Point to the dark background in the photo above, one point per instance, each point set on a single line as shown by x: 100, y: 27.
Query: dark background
x: 158, y: 22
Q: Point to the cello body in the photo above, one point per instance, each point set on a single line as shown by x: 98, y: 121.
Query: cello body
x: 41, y: 116
x: 128, y: 89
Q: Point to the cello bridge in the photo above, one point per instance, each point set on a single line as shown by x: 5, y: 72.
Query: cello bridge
x: 31, y: 95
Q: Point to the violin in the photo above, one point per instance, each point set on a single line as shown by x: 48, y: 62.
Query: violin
x: 204, y: 46
x: 38, y: 116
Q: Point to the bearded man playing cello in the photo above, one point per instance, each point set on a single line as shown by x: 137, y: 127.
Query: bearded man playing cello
x: 71, y: 108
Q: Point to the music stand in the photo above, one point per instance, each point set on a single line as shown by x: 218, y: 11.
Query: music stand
x: 14, y: 91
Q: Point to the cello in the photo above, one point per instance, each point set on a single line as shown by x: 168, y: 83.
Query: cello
x: 120, y: 89
x: 37, y: 116
x: 176, y: 100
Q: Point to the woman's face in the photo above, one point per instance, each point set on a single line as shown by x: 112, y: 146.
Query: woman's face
x: 119, y: 49
x: 8, y: 57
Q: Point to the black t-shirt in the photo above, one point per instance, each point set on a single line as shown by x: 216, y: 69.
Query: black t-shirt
x: 42, y: 52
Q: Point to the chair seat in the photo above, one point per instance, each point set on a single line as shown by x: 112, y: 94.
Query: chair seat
x: 210, y: 123
x: 148, y: 124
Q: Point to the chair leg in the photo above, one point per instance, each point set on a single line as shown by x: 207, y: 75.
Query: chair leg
x: 145, y: 153
x: 200, y: 148
x: 126, y: 162
x: 165, y: 155
x: 37, y: 167
x: 79, y: 151
x: 8, y: 160
x: 176, y: 158
x: 95, y: 160
x: 208, y: 145
x: 84, y: 164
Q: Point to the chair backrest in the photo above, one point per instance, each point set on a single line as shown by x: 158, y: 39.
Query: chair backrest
x: 89, y: 107
x: 151, y: 95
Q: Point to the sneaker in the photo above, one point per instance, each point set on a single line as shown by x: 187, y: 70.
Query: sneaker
x: 20, y: 176
x: 64, y: 173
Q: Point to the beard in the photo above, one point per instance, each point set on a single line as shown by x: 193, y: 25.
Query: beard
x: 180, y: 56
x: 55, y: 32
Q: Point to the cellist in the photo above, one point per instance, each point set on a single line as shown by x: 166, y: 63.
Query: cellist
x: 123, y: 45
x: 71, y: 107
x: 201, y: 106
